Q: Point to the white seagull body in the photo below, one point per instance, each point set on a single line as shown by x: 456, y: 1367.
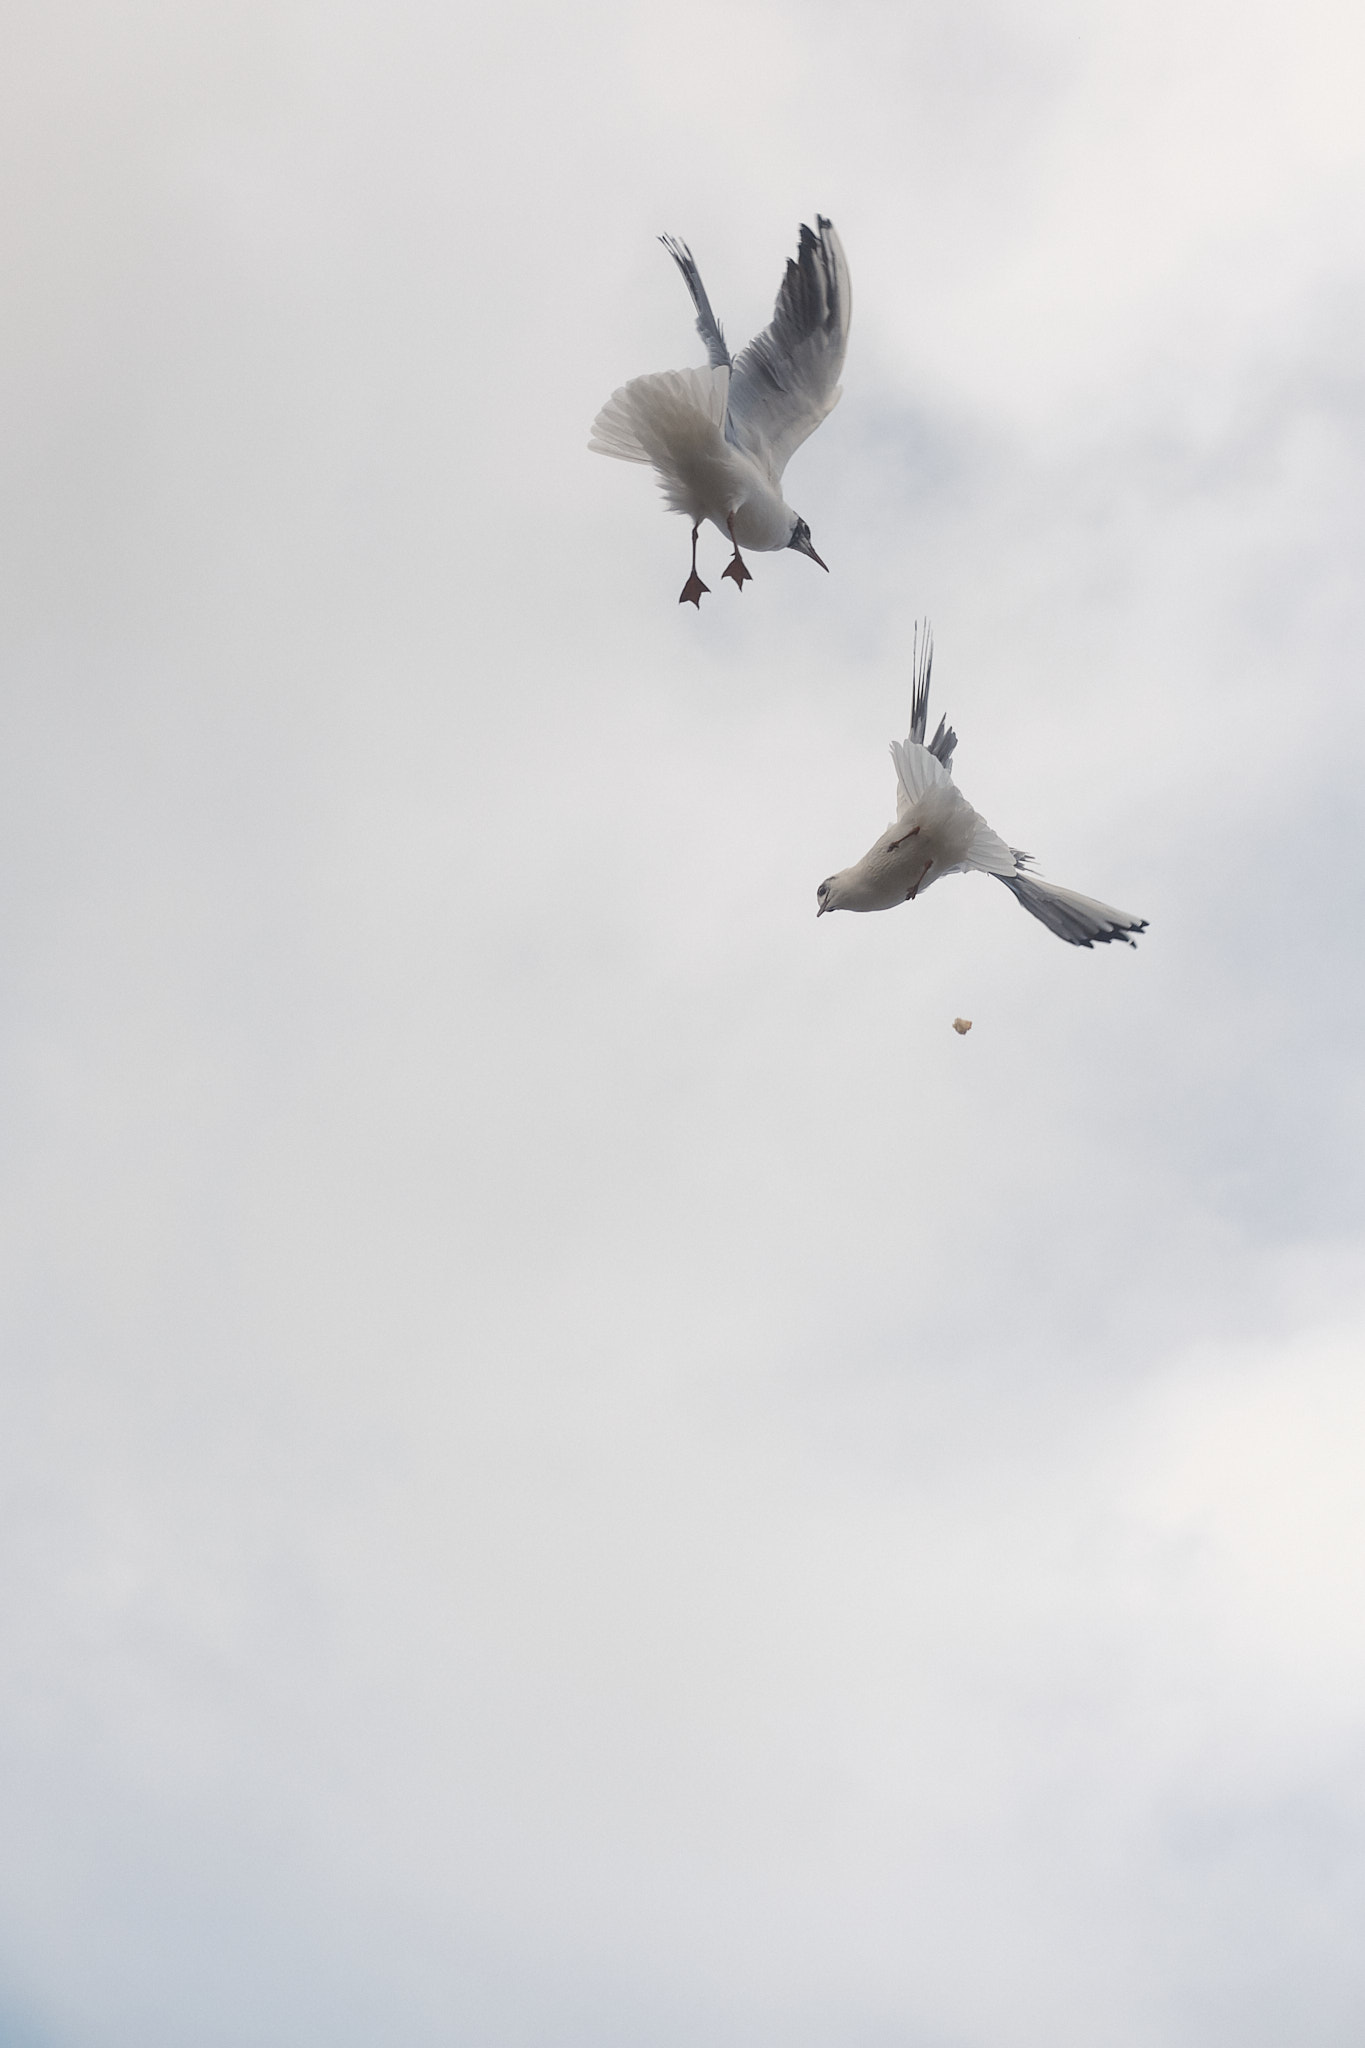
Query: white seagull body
x: 720, y: 438
x: 936, y: 832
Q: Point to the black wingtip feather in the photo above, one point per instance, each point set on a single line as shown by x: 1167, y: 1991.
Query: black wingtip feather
x: 922, y: 663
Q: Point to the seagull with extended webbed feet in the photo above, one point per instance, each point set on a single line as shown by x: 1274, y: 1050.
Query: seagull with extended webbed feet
x: 719, y: 438
x: 936, y: 832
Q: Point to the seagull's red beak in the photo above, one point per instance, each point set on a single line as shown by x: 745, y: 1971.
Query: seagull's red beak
x: 801, y: 542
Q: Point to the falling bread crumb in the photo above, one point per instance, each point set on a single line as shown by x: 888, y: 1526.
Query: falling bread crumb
x: 962, y: 1025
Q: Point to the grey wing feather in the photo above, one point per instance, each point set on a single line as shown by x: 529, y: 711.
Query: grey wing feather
x: 1077, y: 919
x: 945, y: 739
x: 708, y: 327
x: 942, y: 744
x: 787, y: 379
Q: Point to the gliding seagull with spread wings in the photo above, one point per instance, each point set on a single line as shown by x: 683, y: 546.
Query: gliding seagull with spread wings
x: 937, y: 832
x: 720, y: 438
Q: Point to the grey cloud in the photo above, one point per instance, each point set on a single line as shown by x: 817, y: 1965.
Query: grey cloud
x: 577, y: 1466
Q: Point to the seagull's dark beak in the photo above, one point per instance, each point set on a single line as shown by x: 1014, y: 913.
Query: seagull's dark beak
x: 821, y: 911
x: 801, y: 542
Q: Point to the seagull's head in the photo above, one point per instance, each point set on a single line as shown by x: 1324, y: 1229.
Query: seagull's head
x: 827, y: 896
x: 800, y: 540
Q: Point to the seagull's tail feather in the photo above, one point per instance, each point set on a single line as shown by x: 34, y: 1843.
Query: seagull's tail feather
x: 918, y: 768
x: 1080, y: 920
x: 918, y: 771
x: 616, y: 430
x: 675, y: 420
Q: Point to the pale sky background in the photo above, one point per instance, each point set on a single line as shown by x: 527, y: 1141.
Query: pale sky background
x: 578, y: 1470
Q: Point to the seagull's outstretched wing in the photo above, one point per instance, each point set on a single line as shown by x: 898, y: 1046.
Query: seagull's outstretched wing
x: 708, y: 327
x: 1080, y: 920
x: 787, y: 380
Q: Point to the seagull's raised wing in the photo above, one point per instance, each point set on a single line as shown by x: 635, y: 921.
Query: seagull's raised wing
x: 787, y: 380
x: 708, y: 327
x: 945, y: 739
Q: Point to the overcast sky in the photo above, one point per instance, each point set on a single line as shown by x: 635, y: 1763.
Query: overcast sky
x: 579, y: 1470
